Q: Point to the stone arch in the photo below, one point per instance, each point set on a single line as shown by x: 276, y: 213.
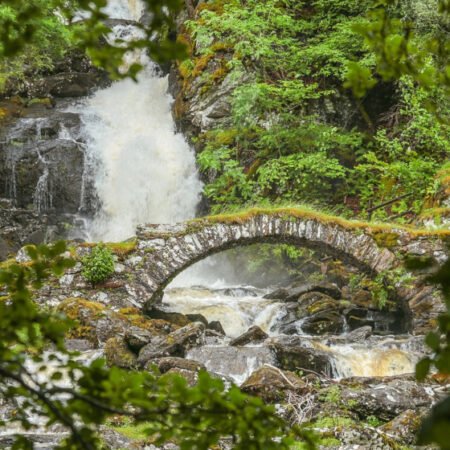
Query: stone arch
x: 167, y: 250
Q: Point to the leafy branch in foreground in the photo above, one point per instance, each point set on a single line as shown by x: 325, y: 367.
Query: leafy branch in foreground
x: 435, y: 427
x: 22, y: 21
x: 82, y: 397
x: 404, y: 46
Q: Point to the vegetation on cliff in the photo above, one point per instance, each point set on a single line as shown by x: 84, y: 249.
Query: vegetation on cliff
x: 296, y: 132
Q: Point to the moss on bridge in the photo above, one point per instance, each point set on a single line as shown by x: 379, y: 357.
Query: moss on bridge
x: 303, y: 212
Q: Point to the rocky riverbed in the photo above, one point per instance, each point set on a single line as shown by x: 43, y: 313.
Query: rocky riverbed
x: 318, y: 350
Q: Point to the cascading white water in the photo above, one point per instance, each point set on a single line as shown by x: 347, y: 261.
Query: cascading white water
x: 144, y: 170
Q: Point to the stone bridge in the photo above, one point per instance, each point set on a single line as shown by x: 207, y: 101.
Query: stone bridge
x: 163, y: 251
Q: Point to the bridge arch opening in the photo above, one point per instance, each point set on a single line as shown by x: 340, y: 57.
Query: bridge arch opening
x: 283, y: 289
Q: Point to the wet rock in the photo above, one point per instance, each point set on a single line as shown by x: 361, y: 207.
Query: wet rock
x: 252, y: 335
x: 237, y: 292
x: 235, y: 362
x: 165, y: 364
x: 380, y: 321
x: 320, y: 313
x: 357, y: 335
x: 297, y: 357
x: 324, y: 322
x: 174, y: 344
x: 270, y: 384
x: 404, y: 427
x: 287, y: 324
x: 118, y: 354
x: 291, y: 294
x: 137, y: 337
x: 216, y: 326
x: 78, y: 345
x: 197, y: 318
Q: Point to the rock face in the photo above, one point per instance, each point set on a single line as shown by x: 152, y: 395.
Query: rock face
x: 19, y: 227
x: 39, y: 165
x: 72, y: 76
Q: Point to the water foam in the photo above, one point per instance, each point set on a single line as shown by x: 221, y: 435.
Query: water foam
x: 143, y: 170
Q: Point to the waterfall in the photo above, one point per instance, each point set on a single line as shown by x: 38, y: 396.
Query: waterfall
x: 143, y: 170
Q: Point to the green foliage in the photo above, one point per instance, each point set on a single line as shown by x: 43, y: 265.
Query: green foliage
x: 435, y: 426
x: 407, y: 38
x: 50, y: 39
x: 195, y: 417
x: 281, y: 144
x: 99, y: 264
x: 28, y: 29
x: 374, y: 421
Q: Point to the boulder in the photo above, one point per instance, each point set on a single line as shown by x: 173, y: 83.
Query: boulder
x: 198, y: 318
x: 172, y: 317
x: 386, y: 398
x: 174, y: 344
x: 302, y: 357
x: 78, y: 345
x: 98, y: 323
x: 291, y: 294
x: 320, y: 313
x: 252, y: 335
x: 324, y: 322
x: 137, y: 337
x: 271, y: 383
x: 216, y: 326
x: 118, y: 354
x: 165, y: 364
x: 404, y: 428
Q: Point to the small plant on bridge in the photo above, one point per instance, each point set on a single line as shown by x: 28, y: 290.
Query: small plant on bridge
x: 98, y: 265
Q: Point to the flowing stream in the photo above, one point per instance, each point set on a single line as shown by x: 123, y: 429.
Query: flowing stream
x: 240, y: 307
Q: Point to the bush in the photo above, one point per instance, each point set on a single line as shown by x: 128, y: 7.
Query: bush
x: 98, y: 265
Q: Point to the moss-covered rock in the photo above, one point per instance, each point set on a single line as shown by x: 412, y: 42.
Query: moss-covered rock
x: 320, y: 314
x: 98, y: 323
x: 118, y: 354
x: 165, y: 364
x: 271, y: 384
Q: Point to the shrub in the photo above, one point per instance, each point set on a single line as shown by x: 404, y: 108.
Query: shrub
x: 98, y: 265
